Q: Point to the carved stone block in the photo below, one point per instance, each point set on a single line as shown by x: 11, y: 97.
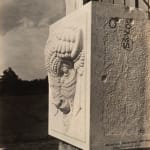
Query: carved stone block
x: 67, y: 65
x: 98, y: 62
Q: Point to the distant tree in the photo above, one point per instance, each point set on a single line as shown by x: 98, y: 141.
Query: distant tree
x: 9, y: 81
x: 11, y: 84
x: 9, y: 75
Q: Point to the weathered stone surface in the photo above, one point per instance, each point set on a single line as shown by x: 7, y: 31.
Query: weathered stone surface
x: 115, y: 80
x: 120, y: 60
x: 124, y: 73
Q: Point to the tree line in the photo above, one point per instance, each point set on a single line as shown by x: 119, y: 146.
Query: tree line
x: 11, y: 84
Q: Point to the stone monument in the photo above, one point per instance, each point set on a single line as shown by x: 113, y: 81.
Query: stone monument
x: 98, y: 60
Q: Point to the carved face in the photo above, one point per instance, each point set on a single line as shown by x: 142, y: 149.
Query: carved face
x: 64, y: 58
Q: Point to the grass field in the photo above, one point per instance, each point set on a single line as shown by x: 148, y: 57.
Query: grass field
x: 24, y: 119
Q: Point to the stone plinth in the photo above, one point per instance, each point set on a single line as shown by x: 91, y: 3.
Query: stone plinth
x: 98, y: 66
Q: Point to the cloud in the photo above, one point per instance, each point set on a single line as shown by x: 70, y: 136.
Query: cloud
x: 12, y: 11
x: 23, y: 50
x: 23, y: 34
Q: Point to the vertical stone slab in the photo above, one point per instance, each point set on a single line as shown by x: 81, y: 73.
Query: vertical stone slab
x: 119, y: 90
x: 67, y: 61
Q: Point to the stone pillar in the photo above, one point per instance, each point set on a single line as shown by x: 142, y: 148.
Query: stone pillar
x: 98, y: 61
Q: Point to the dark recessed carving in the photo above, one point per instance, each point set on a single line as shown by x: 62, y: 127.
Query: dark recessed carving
x: 113, y: 22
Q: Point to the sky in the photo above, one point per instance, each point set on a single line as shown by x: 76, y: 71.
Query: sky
x: 23, y: 33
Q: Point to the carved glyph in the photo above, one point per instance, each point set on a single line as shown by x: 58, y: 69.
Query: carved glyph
x: 64, y: 61
x: 125, y: 58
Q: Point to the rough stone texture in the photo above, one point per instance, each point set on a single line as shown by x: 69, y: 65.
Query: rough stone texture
x: 117, y: 73
x: 119, y: 97
x: 124, y: 81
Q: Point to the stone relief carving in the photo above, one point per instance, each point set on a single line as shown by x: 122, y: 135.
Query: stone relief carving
x: 127, y: 42
x: 64, y: 62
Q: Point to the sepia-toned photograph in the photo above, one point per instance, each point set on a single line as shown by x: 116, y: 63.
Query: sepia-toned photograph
x: 74, y: 74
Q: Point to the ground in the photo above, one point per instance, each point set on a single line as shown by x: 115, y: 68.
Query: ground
x: 24, y: 123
